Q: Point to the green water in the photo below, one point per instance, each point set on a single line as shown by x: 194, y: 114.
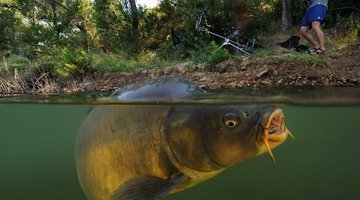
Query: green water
x: 37, y: 152
x: 37, y: 157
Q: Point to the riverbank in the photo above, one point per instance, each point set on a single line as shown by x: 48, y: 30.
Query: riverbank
x: 340, y: 68
x: 275, y: 69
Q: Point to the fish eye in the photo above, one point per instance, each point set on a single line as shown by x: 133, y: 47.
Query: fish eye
x: 231, y: 120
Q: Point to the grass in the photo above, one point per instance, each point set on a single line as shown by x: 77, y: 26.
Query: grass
x: 346, y: 33
x: 14, y: 62
x: 103, y: 63
x: 317, y: 61
x: 69, y: 61
x: 217, y: 55
x: 262, y: 52
x: 106, y: 63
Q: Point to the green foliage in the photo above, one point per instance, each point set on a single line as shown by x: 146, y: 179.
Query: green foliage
x: 348, y: 31
x: 17, y: 62
x: 58, y: 35
x: 72, y: 62
x: 217, y: 55
x: 106, y: 63
x: 318, y: 61
x: 262, y: 52
x: 14, y: 62
x: 339, y: 10
x: 108, y: 23
x: 103, y: 63
x: 9, y: 24
x: 201, y: 56
x: 265, y: 18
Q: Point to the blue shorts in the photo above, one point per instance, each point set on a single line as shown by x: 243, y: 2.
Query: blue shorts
x: 315, y: 13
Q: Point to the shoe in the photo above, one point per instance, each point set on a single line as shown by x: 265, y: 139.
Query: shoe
x: 317, y: 51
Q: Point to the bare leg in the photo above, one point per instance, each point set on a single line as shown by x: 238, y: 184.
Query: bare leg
x: 319, y: 34
x: 304, y: 32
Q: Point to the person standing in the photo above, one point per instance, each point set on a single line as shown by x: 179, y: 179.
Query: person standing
x: 315, y: 14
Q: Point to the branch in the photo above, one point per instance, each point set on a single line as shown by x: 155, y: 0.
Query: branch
x: 346, y: 8
x: 72, y: 17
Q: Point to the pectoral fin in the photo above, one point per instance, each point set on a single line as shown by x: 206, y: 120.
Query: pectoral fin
x: 146, y: 188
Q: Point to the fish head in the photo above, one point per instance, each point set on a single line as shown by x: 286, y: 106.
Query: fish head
x: 244, y: 132
x: 209, y: 138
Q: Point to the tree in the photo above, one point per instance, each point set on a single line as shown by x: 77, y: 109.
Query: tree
x: 109, y: 24
x: 285, y: 15
x: 82, y: 19
x: 8, y: 31
x: 135, y: 24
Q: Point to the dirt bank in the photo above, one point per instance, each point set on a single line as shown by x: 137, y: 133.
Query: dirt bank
x: 335, y: 69
x: 340, y: 68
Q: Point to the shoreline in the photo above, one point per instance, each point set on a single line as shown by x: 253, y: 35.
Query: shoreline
x: 282, y: 70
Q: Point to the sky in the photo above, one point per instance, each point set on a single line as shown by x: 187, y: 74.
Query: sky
x: 148, y: 3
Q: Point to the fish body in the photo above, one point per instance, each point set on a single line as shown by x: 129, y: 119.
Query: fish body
x: 149, y: 151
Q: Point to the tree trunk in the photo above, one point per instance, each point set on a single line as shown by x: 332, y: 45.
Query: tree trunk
x: 135, y: 24
x: 84, y: 32
x: 285, y: 15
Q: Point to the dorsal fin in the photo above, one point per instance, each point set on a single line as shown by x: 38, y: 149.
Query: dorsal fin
x: 162, y: 88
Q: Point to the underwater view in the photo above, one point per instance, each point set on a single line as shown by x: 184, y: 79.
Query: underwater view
x: 37, y: 147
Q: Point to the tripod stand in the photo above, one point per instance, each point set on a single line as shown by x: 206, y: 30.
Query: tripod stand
x: 227, y: 40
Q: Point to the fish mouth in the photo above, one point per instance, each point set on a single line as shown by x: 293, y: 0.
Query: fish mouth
x: 274, y: 132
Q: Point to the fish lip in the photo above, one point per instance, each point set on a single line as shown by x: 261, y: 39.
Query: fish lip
x: 273, y: 132
x: 274, y: 129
